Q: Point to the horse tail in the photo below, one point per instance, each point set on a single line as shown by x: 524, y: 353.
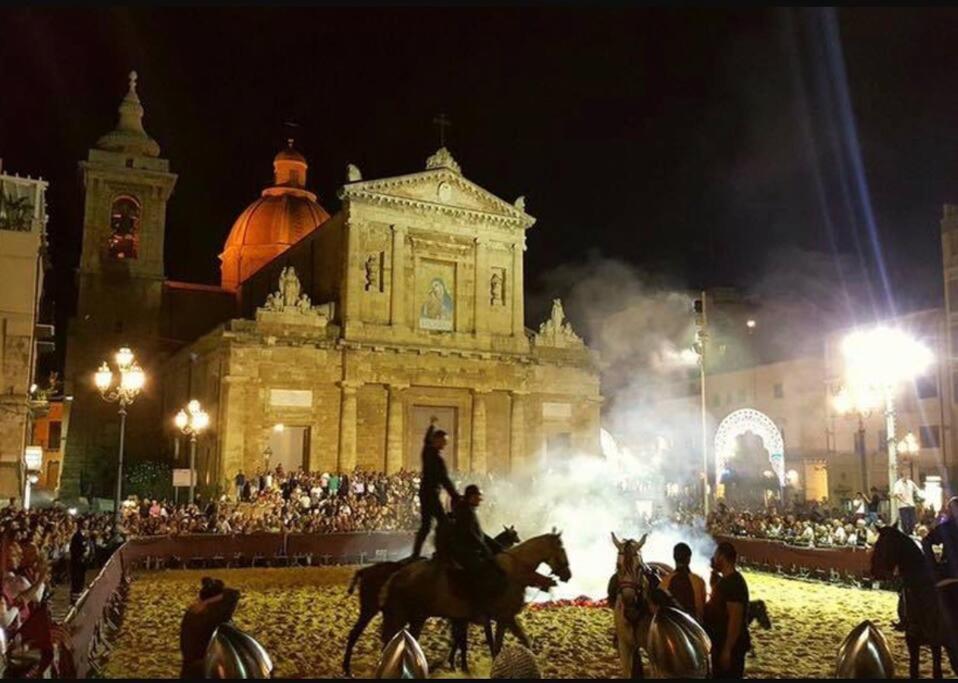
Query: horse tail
x: 357, y: 577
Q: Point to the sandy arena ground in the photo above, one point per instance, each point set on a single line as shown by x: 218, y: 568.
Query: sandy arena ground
x: 302, y: 617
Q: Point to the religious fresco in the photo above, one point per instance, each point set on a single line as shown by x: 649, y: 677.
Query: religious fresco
x: 436, y: 296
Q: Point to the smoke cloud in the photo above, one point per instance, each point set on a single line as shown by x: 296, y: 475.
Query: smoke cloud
x: 642, y: 326
x: 586, y: 503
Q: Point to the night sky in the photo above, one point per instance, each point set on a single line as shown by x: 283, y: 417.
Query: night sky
x: 694, y: 145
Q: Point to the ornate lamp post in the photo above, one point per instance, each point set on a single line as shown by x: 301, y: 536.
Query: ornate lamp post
x: 132, y: 379
x: 858, y: 404
x: 192, y: 421
x: 879, y: 360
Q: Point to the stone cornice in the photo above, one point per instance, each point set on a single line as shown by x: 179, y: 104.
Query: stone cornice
x: 373, y: 192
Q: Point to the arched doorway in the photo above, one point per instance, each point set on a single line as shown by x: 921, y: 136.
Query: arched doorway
x: 733, y: 433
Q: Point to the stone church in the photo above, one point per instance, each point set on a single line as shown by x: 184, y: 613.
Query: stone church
x: 333, y: 339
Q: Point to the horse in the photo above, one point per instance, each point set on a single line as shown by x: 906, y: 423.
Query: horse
x: 632, y: 604
x: 421, y: 590
x: 371, y: 580
x: 460, y: 629
x: 925, y: 620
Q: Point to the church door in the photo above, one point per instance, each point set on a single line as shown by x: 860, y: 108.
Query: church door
x: 558, y: 448
x: 290, y: 448
x: 421, y: 415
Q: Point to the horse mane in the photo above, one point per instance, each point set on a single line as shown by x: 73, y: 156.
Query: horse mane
x: 903, y: 553
x: 519, y: 550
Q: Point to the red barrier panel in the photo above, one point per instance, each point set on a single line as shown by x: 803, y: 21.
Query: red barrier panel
x: 204, y: 546
x: 855, y: 561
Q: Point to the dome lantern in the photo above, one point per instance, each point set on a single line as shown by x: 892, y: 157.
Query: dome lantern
x: 289, y: 167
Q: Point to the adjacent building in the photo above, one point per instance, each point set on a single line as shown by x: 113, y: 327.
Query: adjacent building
x: 23, y: 220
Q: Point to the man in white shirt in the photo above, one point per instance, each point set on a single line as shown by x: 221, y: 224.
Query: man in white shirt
x: 904, y: 492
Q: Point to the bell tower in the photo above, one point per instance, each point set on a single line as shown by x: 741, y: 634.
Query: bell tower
x: 119, y: 282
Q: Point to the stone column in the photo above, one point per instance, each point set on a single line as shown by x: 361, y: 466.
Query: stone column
x: 352, y: 289
x: 518, y: 308
x: 480, y: 303
x: 478, y: 461
x: 347, y: 426
x: 397, y: 289
x: 517, y: 429
x: 395, y: 433
x: 231, y: 427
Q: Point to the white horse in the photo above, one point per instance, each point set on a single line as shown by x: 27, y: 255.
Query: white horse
x: 633, y: 609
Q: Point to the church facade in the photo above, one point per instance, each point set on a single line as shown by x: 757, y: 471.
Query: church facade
x: 349, y: 332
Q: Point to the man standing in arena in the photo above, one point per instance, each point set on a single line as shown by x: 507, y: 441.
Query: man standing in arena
x: 687, y: 588
x: 434, y: 475
x: 726, y: 616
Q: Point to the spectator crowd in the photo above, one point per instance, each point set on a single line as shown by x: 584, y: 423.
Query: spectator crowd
x: 814, y: 524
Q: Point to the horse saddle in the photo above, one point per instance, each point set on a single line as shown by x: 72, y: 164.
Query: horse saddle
x: 459, y: 579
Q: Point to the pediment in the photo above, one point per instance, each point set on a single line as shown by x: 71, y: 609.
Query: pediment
x: 440, y: 189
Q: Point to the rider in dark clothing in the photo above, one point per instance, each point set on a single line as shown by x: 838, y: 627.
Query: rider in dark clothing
x: 945, y: 535
x: 474, y: 550
x: 434, y: 476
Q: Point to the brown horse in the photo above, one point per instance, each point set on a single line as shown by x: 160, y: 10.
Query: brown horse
x: 425, y: 589
x: 371, y: 580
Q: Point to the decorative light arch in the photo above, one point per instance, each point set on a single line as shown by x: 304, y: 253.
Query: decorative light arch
x: 760, y: 424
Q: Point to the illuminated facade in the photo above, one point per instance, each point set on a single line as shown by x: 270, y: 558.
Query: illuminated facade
x: 406, y: 304
x: 332, y: 340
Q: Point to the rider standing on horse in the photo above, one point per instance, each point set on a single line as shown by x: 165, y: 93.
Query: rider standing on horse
x: 434, y: 476
x: 474, y: 550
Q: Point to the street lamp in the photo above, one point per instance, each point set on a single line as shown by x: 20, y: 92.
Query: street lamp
x: 132, y: 379
x: 192, y: 421
x: 878, y: 360
x: 33, y: 459
x: 701, y: 339
x: 859, y: 403
x: 910, y: 447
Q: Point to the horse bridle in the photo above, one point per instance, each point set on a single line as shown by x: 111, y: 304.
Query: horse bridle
x: 636, y: 579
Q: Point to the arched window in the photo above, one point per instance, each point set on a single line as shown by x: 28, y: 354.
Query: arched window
x: 124, y: 228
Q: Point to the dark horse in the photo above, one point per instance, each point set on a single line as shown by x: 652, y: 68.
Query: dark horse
x: 371, y: 580
x: 925, y: 619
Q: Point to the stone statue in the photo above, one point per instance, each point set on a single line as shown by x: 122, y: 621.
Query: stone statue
x: 372, y: 272
x: 290, y: 305
x: 274, y: 302
x: 557, y: 331
x: 495, y: 289
x: 289, y: 286
x: 558, y: 315
x: 353, y: 174
x: 520, y: 203
x: 304, y: 304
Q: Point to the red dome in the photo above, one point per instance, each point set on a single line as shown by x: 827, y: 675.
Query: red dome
x: 283, y: 215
